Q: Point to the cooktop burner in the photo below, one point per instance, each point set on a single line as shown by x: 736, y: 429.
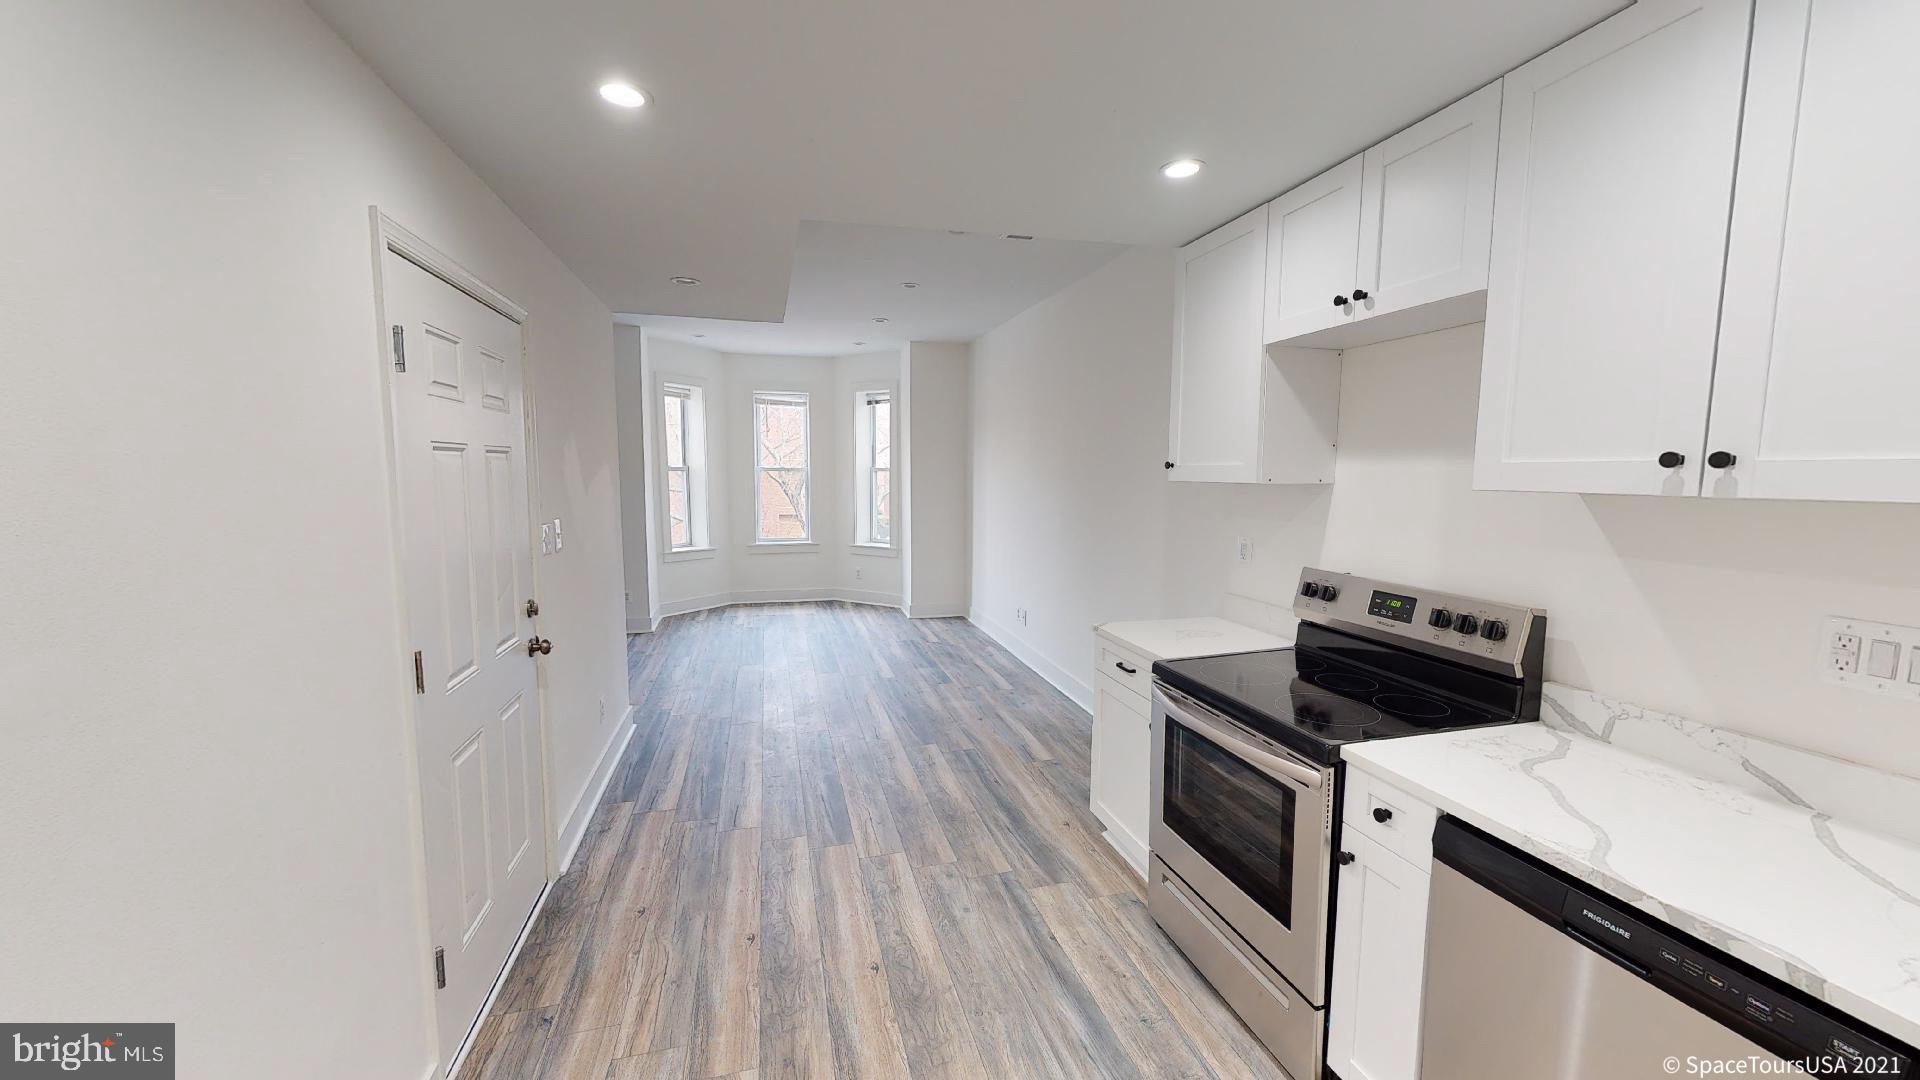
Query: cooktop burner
x: 1317, y: 702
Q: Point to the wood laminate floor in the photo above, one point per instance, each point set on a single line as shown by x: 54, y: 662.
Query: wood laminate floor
x: 842, y: 843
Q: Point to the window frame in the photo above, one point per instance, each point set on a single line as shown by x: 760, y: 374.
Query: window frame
x: 692, y: 393
x: 805, y: 401
x: 865, y: 478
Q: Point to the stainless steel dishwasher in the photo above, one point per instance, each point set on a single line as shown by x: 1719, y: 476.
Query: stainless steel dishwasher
x: 1531, y: 974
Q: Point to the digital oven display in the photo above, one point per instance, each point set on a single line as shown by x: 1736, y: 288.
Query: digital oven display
x: 1391, y: 606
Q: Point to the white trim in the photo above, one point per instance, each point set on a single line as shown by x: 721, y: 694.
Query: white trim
x: 1078, y: 692
x: 770, y: 547
x: 789, y: 398
x: 775, y: 596
x: 641, y: 626
x: 689, y: 554
x: 936, y: 611
x: 582, y: 814
x: 400, y: 240
x: 887, y: 551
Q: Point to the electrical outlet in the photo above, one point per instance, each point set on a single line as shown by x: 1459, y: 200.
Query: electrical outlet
x: 1246, y: 549
x: 859, y: 574
x: 603, y: 709
x: 1871, y: 656
x: 1021, y: 615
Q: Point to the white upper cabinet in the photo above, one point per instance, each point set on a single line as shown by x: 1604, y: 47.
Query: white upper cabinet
x: 1243, y: 413
x: 1393, y: 242
x: 1616, y: 165
x: 1313, y: 253
x: 1818, y: 383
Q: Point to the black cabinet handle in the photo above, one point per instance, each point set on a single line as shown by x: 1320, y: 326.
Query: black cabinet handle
x: 1169, y: 464
x: 1359, y: 295
x: 1122, y: 665
x: 1720, y: 459
x: 1340, y: 301
x: 1672, y: 459
x: 1346, y: 858
x: 1382, y: 815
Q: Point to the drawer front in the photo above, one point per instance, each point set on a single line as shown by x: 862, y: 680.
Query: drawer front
x: 1129, y: 669
x: 1389, y: 817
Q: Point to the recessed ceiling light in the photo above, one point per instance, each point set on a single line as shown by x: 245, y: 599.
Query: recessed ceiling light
x: 1180, y: 170
x: 859, y: 343
x: 682, y: 279
x: 625, y: 95
x: 879, y: 318
x: 699, y: 335
x: 909, y: 284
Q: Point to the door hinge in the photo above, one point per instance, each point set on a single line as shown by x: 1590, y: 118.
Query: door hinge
x: 399, y: 347
x: 419, y: 673
x: 440, y: 967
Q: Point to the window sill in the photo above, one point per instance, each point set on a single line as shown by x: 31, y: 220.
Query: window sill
x: 886, y: 551
x: 776, y: 547
x: 688, y: 554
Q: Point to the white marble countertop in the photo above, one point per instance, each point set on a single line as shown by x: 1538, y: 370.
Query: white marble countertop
x: 1744, y: 861
x: 1171, y: 639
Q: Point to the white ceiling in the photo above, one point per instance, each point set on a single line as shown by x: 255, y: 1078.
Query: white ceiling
x: 844, y: 276
x: 989, y: 116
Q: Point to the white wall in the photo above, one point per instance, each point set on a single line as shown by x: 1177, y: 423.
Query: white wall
x: 206, y: 782
x: 936, y: 497
x: 630, y: 404
x: 687, y: 581
x: 1707, y: 608
x: 1073, y: 518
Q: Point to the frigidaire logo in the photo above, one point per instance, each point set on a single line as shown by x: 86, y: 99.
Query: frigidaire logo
x: 120, y: 1051
x: 1607, y: 923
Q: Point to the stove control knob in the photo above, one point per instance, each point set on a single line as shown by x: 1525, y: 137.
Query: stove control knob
x: 1466, y: 624
x: 1441, y: 619
x: 1328, y: 592
x: 1310, y: 589
x: 1494, y: 630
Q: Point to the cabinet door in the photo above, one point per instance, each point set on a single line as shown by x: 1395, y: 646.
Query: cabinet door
x: 1218, y: 357
x: 1609, y: 242
x: 1426, y: 209
x: 1379, y: 960
x: 1122, y: 763
x: 1313, y: 251
x: 1818, y: 381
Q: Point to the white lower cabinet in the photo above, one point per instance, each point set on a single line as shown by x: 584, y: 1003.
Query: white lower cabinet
x: 1379, y: 961
x: 1121, y: 785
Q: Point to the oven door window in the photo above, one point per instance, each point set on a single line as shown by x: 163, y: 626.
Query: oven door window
x: 1236, y: 817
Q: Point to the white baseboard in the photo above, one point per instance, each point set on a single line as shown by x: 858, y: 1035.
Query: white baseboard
x: 936, y: 611
x: 1078, y: 692
x: 582, y: 813
x: 776, y: 596
x: 642, y: 626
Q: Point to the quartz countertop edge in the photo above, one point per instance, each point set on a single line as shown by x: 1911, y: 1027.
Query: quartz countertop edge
x: 1173, y: 639
x: 1831, y: 908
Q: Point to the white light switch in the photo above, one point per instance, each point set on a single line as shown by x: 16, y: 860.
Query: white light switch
x: 1883, y: 659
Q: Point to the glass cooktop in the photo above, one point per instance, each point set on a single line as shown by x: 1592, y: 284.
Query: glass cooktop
x: 1316, y: 703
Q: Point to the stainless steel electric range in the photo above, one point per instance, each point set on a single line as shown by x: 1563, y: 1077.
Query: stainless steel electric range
x: 1247, y: 778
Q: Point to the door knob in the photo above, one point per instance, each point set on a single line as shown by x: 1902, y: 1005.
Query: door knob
x: 1672, y: 459
x: 1720, y: 459
x: 538, y: 646
x: 1340, y: 301
x: 1359, y: 295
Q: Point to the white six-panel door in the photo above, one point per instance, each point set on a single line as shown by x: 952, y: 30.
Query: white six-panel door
x: 1610, y: 227
x: 1818, y: 385
x: 1313, y: 252
x: 460, y: 437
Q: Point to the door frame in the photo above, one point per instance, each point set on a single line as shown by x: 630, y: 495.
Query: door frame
x: 390, y: 236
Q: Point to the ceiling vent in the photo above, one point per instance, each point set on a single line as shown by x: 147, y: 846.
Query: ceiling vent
x: 1016, y: 236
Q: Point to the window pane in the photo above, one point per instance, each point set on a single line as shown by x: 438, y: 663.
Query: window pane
x: 882, y: 506
x: 675, y: 432
x: 783, y: 504
x: 679, y: 534
x: 883, y: 435
x: 781, y: 434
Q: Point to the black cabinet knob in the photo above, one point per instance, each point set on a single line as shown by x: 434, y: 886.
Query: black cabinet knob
x: 1169, y: 464
x: 1672, y: 459
x: 1340, y: 301
x: 1466, y: 624
x: 1494, y: 630
x: 1720, y: 459
x: 1346, y: 858
x: 1359, y: 295
x: 1382, y: 815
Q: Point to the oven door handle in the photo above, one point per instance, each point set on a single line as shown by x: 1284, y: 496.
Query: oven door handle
x: 1218, y: 734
